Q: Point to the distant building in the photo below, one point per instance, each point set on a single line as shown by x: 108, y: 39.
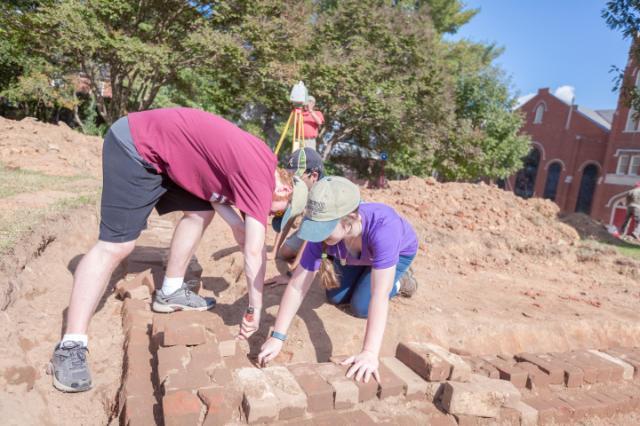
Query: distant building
x: 585, y: 160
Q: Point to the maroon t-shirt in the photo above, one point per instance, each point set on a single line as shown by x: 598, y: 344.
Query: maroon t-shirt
x: 208, y: 156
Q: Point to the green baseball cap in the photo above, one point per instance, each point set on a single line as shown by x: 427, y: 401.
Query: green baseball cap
x: 330, y: 199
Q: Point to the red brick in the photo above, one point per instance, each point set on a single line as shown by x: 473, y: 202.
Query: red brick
x: 172, y: 360
x: 292, y: 400
x: 139, y: 411
x: 629, y: 357
x: 181, y: 408
x: 123, y: 286
x: 239, y: 360
x: 509, y: 416
x: 183, y: 334
x: 555, y: 372
x: 366, y: 391
x: 415, y: 387
x: 509, y: 372
x: 227, y: 342
x: 481, y: 366
x: 605, y: 371
x: 186, y: 380
x: 390, y: 384
x: 221, y: 376
x: 220, y: 405
x: 573, y: 376
x: 583, y: 406
x: 537, y: 378
x: 427, y: 364
x: 611, y: 404
x: 550, y: 409
x: 319, y: 392
x: 259, y: 403
x: 345, y: 391
x: 442, y: 420
x: 590, y: 371
x: 205, y: 357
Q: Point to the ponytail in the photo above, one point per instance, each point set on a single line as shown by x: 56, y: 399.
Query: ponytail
x: 328, y: 276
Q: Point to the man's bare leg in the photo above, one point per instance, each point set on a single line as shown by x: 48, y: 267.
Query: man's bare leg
x: 184, y: 243
x: 69, y: 365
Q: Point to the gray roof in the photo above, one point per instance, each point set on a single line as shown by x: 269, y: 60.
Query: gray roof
x: 607, y: 114
x: 594, y: 116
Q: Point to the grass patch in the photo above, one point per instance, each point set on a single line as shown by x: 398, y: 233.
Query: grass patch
x: 18, y: 181
x: 14, y: 224
x: 630, y: 250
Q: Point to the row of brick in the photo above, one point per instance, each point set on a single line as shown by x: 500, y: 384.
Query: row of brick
x: 571, y: 369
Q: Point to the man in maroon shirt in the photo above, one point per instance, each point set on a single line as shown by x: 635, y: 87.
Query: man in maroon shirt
x: 176, y: 159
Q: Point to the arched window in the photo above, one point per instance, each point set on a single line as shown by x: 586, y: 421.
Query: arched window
x: 526, y: 178
x: 539, y: 114
x: 587, y: 188
x: 553, y: 177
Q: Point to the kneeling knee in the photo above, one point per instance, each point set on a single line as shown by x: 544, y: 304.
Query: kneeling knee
x: 359, y: 310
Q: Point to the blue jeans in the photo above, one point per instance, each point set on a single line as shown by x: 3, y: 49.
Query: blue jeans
x: 355, y: 285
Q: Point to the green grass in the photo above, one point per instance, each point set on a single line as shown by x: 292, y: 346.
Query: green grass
x: 15, y: 224
x: 630, y: 250
x: 19, y: 181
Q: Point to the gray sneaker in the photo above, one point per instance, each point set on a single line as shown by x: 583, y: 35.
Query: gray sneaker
x: 408, y: 284
x: 182, y: 299
x: 69, y: 367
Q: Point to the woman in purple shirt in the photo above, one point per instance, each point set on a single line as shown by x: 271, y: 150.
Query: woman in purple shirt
x: 362, y: 250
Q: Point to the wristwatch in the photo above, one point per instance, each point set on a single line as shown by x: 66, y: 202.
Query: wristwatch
x: 279, y: 336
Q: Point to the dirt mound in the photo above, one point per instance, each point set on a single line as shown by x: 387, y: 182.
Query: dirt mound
x: 47, y: 148
x: 587, y: 227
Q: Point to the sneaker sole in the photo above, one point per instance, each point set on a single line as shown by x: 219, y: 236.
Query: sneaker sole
x: 167, y: 309
x: 64, y: 388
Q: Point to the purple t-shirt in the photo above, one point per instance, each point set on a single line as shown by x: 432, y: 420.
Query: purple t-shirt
x: 385, y: 237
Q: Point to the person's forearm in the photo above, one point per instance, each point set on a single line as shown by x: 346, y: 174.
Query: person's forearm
x: 315, y: 117
x: 292, y: 299
x: 254, y: 269
x: 376, y: 322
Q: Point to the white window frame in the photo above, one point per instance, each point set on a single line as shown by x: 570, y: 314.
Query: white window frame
x: 619, y: 168
x: 634, y: 160
x: 539, y: 114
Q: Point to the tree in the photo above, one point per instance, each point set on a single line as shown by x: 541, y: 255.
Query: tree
x: 135, y: 46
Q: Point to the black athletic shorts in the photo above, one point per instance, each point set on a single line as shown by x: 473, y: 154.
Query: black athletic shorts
x: 130, y: 190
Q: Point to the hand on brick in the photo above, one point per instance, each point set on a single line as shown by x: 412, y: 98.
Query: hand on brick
x: 363, y: 366
x: 249, y: 325
x: 269, y: 350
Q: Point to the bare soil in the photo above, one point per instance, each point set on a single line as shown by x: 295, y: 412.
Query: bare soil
x: 497, y: 274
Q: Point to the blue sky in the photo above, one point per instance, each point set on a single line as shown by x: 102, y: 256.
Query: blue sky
x: 552, y: 44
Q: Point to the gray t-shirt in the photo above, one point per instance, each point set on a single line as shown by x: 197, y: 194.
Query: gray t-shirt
x: 121, y: 131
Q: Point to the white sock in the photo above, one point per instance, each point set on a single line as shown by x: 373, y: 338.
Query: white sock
x: 76, y: 338
x: 171, y: 285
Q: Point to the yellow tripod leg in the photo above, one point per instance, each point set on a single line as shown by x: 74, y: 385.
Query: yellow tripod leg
x: 284, y: 133
x: 295, y: 129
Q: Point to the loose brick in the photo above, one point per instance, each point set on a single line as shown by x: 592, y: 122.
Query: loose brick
x: 590, y: 371
x: 390, y: 384
x: 183, y: 334
x: 292, y: 399
x: 550, y: 409
x: 138, y: 293
x: 220, y: 407
x: 415, y: 387
x: 537, y: 378
x: 480, y: 366
x: 584, y: 406
x: 609, y: 405
x: 181, y: 408
x: 512, y: 394
x: 423, y: 361
x: 624, y: 401
x: 239, y: 360
x: 629, y: 357
x: 555, y: 373
x: 471, y: 399
x: 172, y: 360
x: 319, y: 392
x: 366, y: 391
x: 345, y: 391
x: 573, y: 376
x: 226, y: 341
x: 460, y: 370
x: 434, y: 391
x: 139, y: 411
x: 627, y: 369
x: 606, y: 371
x: 259, y: 403
x: 509, y: 372
x: 528, y: 414
x: 221, y: 376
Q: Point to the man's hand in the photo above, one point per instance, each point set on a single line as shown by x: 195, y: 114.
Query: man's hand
x: 250, y: 323
x: 269, y: 350
x: 363, y: 366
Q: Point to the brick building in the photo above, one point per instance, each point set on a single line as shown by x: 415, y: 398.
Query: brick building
x: 585, y: 160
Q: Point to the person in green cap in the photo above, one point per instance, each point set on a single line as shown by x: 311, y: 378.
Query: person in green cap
x: 363, y: 252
